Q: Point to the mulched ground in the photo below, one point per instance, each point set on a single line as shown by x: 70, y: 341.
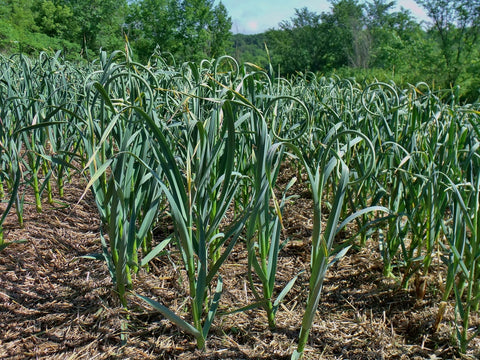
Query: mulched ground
x: 55, y: 304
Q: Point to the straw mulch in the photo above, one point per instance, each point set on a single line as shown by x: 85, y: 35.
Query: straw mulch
x: 56, y: 304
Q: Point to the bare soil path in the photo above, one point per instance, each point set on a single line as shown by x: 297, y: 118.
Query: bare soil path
x: 54, y: 304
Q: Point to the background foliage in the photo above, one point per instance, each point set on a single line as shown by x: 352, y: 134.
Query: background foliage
x: 362, y: 39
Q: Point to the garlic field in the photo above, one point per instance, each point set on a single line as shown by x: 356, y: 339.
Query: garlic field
x: 217, y: 210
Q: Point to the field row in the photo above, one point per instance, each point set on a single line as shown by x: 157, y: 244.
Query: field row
x: 203, y: 145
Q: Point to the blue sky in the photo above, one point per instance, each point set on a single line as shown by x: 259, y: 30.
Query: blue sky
x: 256, y: 16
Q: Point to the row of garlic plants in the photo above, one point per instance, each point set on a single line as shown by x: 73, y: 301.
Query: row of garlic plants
x: 198, y: 140
x: 426, y: 174
x: 37, y: 140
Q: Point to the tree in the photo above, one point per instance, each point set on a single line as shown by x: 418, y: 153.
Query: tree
x: 193, y: 30
x: 188, y: 29
x: 457, y: 25
x: 20, y: 15
x: 379, y: 13
x: 309, y: 41
x: 220, y: 31
x: 250, y: 48
x: 296, y: 45
x: 53, y: 19
x: 204, y: 30
x: 152, y: 23
x: 30, y: 26
x: 391, y: 33
x: 97, y: 23
x: 345, y: 35
x: 18, y: 23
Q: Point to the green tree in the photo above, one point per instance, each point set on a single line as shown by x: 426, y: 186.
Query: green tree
x: 344, y: 35
x: 309, y: 41
x: 392, y: 34
x: 204, y: 30
x: 189, y: 29
x: 301, y: 43
x: 29, y: 26
x: 456, y: 24
x: 221, y: 37
x: 379, y: 13
x: 152, y: 23
x: 97, y: 23
x: 250, y: 48
x: 53, y: 19
x: 18, y: 23
x: 22, y: 15
x: 193, y: 28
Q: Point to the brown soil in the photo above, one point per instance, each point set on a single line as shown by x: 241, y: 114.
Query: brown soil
x: 56, y: 304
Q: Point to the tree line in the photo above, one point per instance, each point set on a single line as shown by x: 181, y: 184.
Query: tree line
x: 368, y: 39
x: 371, y: 40
x: 186, y: 29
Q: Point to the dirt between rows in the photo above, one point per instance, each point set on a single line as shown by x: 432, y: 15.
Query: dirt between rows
x: 56, y: 304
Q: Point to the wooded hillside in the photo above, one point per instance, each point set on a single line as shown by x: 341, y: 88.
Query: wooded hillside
x: 364, y: 39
